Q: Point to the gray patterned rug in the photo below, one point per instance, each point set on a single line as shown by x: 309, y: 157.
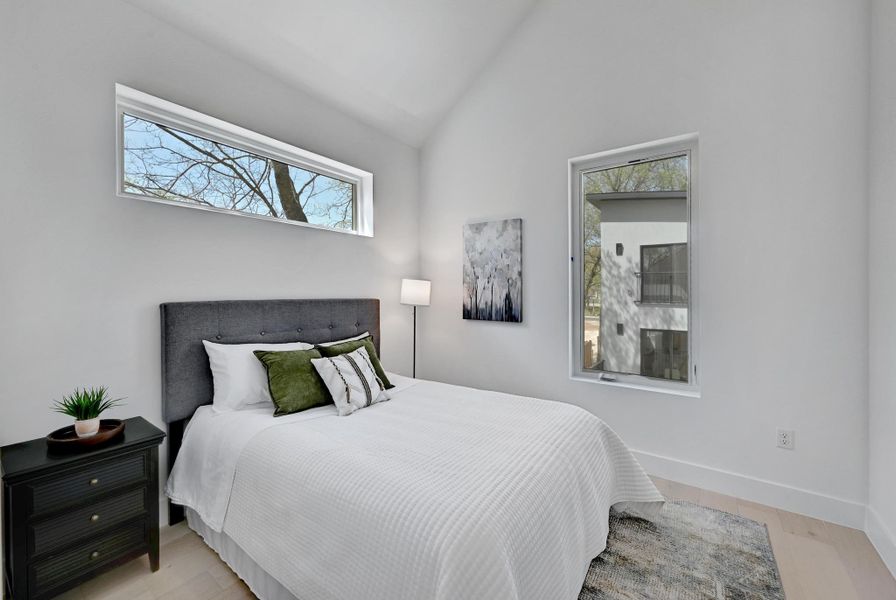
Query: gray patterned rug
x: 688, y: 553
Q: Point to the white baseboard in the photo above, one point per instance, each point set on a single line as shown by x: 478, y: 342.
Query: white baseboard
x: 882, y: 538
x: 779, y: 495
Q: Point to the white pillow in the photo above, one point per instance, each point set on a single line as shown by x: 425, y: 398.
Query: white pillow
x: 351, y: 339
x: 240, y: 379
x: 351, y: 380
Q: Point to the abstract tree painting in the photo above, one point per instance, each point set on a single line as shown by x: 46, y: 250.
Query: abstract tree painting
x: 493, y: 271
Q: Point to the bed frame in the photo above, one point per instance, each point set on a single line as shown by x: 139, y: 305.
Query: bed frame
x: 186, y: 377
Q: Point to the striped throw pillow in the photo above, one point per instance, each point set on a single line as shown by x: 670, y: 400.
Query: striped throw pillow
x: 351, y: 380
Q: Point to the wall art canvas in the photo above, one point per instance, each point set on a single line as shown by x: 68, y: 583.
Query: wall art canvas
x: 493, y: 271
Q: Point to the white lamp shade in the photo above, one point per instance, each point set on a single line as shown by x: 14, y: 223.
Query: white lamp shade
x: 415, y: 292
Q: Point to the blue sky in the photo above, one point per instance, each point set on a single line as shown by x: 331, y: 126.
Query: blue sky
x: 156, y: 159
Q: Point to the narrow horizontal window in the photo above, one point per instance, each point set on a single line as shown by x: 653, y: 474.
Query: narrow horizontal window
x: 175, y: 155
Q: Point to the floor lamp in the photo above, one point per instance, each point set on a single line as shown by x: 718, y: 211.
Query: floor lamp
x: 415, y: 292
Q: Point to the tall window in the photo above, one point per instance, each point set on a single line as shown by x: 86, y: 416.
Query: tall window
x: 175, y: 155
x: 631, y: 265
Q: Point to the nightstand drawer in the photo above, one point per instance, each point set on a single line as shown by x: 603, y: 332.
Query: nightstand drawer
x: 83, y: 522
x: 56, y: 570
x: 75, y: 486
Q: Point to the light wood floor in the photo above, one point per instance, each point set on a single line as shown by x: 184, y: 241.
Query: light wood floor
x: 817, y: 560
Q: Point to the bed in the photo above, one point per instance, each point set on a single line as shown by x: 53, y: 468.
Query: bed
x: 442, y: 492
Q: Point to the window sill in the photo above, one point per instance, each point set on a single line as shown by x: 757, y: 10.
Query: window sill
x: 224, y: 211
x: 683, y: 390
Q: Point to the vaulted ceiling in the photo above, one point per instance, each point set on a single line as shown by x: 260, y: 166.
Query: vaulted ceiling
x: 398, y: 65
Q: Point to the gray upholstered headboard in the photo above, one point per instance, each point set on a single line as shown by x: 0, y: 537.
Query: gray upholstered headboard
x: 186, y: 377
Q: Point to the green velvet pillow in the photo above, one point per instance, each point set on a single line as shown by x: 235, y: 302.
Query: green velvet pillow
x: 351, y: 346
x: 293, y: 381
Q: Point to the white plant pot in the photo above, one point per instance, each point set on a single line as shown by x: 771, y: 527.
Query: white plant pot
x: 87, y: 428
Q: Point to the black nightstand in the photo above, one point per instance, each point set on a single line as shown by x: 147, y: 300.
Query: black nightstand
x: 67, y: 518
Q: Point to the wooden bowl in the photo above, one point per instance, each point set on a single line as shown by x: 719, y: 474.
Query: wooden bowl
x: 65, y: 440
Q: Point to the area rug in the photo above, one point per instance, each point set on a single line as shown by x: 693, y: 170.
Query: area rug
x: 688, y: 553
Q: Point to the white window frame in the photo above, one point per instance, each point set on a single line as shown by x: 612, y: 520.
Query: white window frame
x: 685, y: 144
x: 143, y: 105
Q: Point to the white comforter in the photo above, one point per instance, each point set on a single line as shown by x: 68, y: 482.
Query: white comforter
x: 442, y: 493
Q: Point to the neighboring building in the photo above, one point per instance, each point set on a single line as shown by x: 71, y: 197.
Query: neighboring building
x: 644, y: 283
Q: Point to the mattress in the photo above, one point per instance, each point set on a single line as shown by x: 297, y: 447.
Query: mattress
x: 443, y: 492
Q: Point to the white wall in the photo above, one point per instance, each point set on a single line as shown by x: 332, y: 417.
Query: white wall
x: 82, y: 271
x: 882, y: 273
x: 778, y: 93
x: 635, y: 223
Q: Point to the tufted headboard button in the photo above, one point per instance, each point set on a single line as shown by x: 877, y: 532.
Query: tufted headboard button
x: 262, y: 333
x: 218, y: 337
x: 357, y: 324
x: 330, y: 326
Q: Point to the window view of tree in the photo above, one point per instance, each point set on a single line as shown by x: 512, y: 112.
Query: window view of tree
x: 667, y: 175
x: 634, y: 268
x: 163, y: 162
x: 591, y: 282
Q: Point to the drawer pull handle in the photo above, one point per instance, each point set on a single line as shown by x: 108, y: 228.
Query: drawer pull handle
x: 94, y: 555
x: 94, y: 481
x: 94, y: 518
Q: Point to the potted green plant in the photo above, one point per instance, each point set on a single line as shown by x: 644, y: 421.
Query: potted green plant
x: 85, y: 406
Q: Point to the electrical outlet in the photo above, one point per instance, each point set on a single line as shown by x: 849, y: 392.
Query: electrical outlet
x: 786, y: 438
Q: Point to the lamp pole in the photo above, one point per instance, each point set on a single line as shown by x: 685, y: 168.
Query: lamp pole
x: 414, y: 293
x: 414, y: 366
